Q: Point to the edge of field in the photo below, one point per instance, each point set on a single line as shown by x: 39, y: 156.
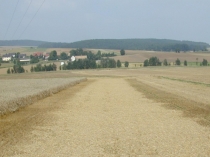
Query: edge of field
x: 198, y: 111
x: 15, y: 104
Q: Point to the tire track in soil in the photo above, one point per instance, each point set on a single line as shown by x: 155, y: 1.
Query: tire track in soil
x: 101, y: 117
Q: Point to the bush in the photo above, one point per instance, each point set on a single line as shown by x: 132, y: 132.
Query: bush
x: 205, y: 62
x: 8, y: 71
x: 185, y: 63
x: 122, y: 52
x: 80, y: 64
x: 146, y: 63
x: 165, y: 62
x: 53, y: 55
x: 126, y: 64
x: 178, y: 62
x: 154, y: 61
x: 108, y: 63
x: 63, y: 56
x: 39, y: 67
x: 118, y: 63
x: 34, y: 59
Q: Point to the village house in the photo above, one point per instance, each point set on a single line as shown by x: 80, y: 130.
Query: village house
x: 8, y: 57
x: 24, y: 58
x: 38, y: 54
x: 73, y: 58
x: 46, y: 56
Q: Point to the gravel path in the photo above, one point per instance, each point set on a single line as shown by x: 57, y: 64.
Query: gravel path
x: 101, y: 117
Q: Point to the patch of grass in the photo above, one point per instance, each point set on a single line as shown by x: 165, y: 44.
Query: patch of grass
x: 193, y: 63
x: 34, y: 49
x: 199, y: 111
x: 6, y: 65
x: 187, y: 81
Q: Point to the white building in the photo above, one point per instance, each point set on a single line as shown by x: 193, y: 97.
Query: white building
x: 8, y: 57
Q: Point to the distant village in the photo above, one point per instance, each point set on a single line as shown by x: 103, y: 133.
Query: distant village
x: 23, y: 57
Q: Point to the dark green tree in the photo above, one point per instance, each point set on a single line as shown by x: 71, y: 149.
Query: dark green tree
x: 34, y: 59
x: 205, y: 62
x: 108, y: 54
x: 53, y: 55
x: 18, y: 68
x: 63, y: 56
x: 146, y: 63
x: 126, y: 64
x: 8, y: 71
x: 122, y: 52
x: 108, y: 63
x: 178, y: 62
x: 17, y: 55
x: 54, y: 67
x: 165, y: 62
x: 185, y: 63
x: 118, y: 64
x: 154, y: 61
x: 99, y: 53
x: 32, y: 69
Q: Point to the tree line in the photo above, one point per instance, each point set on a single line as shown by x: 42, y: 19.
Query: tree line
x: 17, y: 67
x: 39, y: 68
x: 92, y: 64
x: 133, y: 44
x: 154, y: 61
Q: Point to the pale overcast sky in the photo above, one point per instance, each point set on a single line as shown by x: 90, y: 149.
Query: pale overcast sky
x: 74, y: 20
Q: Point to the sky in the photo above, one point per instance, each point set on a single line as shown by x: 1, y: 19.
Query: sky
x: 75, y: 20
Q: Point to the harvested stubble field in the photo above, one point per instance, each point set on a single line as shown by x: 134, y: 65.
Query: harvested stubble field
x: 16, y: 93
x: 162, y: 111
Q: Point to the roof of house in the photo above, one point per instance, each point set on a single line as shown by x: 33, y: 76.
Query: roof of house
x: 81, y: 57
x: 38, y: 54
x: 6, y: 55
x: 47, y: 54
x: 9, y: 55
x: 22, y: 55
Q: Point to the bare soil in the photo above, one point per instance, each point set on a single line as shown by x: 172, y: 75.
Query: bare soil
x: 102, y: 117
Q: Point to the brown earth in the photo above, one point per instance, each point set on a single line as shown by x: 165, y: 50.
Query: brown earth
x: 103, y: 117
x: 140, y: 56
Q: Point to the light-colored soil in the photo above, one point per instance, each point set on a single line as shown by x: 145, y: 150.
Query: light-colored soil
x: 101, y: 117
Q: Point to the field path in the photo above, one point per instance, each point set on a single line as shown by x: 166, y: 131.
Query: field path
x: 101, y: 117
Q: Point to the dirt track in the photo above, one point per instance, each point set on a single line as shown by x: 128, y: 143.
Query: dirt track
x: 101, y: 117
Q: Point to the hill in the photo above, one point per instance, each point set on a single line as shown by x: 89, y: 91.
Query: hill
x: 133, y: 44
x: 20, y: 42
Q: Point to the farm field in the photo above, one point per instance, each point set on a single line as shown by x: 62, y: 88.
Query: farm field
x: 16, y: 93
x: 154, y: 111
x: 140, y: 56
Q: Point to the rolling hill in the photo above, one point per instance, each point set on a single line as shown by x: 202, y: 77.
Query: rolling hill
x: 20, y: 42
x: 132, y: 44
x: 128, y: 44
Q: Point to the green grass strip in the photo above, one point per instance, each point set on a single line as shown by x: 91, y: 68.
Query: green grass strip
x: 187, y: 81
